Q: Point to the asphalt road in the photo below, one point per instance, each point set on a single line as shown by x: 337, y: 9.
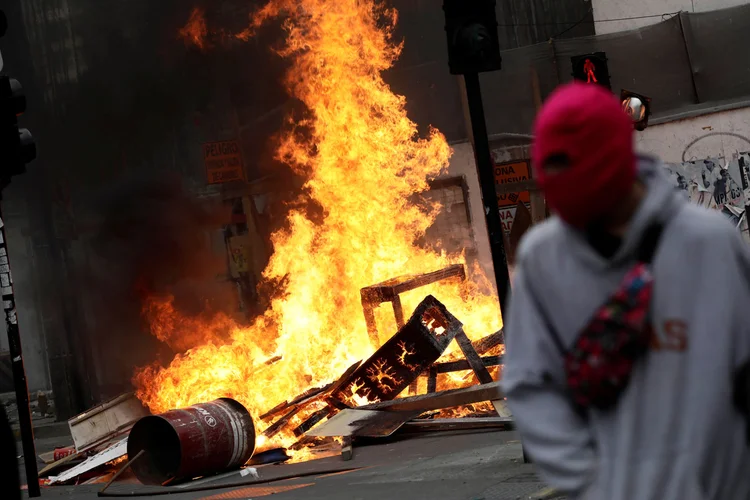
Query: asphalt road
x: 451, y: 466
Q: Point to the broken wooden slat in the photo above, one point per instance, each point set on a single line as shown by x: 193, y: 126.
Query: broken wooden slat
x: 46, y: 471
x: 387, y: 290
x: 344, y: 378
x: 337, y: 403
x: 368, y: 309
x: 485, y: 344
x: 458, y: 424
x: 306, y: 397
x: 432, y: 378
x: 312, y: 421
x: 440, y: 400
x: 472, y: 357
x: 310, y: 395
x: 414, y: 387
x: 461, y: 365
x: 102, y: 422
x: 502, y: 409
x: 275, y: 410
x: 398, y: 311
x: 277, y: 426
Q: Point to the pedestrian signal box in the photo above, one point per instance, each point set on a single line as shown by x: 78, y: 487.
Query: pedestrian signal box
x: 592, y: 68
x: 637, y: 107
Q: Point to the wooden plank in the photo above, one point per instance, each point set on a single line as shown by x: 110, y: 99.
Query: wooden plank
x: 372, y: 327
x: 364, y: 423
x: 458, y: 424
x: 344, y: 378
x: 485, y: 344
x: 414, y: 387
x: 102, y: 422
x: 440, y: 400
x: 275, y: 410
x: 502, y: 409
x: 337, y: 404
x: 60, y: 463
x: 387, y: 290
x: 457, y: 366
x: 312, y: 421
x: 454, y: 271
x: 303, y: 399
x: 432, y: 379
x: 472, y: 357
x: 398, y: 311
x: 280, y: 423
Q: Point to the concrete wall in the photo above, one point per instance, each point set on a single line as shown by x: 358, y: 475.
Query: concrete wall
x: 618, y: 9
x: 670, y: 140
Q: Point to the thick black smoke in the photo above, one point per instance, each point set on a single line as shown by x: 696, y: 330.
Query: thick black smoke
x: 154, y: 240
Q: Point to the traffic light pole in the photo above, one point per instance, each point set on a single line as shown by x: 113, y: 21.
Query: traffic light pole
x: 19, y: 372
x: 485, y: 168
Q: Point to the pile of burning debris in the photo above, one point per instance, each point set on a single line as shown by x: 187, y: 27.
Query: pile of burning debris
x: 204, y: 439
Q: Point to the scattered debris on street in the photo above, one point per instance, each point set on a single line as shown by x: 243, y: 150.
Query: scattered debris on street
x: 373, y: 398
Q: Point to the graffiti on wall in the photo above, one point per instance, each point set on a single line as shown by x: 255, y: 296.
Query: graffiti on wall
x: 715, y: 183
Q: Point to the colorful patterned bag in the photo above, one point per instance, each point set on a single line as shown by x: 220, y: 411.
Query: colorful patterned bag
x: 599, y: 365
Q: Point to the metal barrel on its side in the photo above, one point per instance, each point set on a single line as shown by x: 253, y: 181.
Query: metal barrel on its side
x: 195, y: 441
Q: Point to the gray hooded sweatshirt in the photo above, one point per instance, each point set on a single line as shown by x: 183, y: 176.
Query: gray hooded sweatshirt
x: 675, y: 433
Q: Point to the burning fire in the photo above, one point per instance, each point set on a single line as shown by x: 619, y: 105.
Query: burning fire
x: 362, y: 159
x: 196, y: 30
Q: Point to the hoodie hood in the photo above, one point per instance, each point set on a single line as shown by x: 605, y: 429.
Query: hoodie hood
x: 661, y: 201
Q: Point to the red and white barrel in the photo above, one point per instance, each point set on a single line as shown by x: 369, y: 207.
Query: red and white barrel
x: 195, y: 441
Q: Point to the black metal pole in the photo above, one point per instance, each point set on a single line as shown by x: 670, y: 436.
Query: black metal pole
x: 19, y: 373
x: 486, y: 171
x: 485, y: 168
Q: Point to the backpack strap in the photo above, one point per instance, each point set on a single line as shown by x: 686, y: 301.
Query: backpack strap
x: 556, y: 339
x: 645, y: 253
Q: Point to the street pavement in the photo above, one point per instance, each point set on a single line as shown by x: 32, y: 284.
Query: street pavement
x: 446, y: 465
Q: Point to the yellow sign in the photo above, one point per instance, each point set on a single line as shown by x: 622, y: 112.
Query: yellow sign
x: 509, y: 173
x: 223, y: 162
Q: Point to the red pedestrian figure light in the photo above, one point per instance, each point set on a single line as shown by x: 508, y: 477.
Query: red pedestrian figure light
x: 590, y: 69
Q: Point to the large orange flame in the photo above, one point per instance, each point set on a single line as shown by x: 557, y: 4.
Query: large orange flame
x: 363, y: 160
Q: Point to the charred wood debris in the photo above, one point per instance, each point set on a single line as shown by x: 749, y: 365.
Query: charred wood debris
x: 121, y: 437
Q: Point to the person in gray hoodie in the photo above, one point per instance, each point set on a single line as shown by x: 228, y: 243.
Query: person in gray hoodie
x: 676, y: 429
